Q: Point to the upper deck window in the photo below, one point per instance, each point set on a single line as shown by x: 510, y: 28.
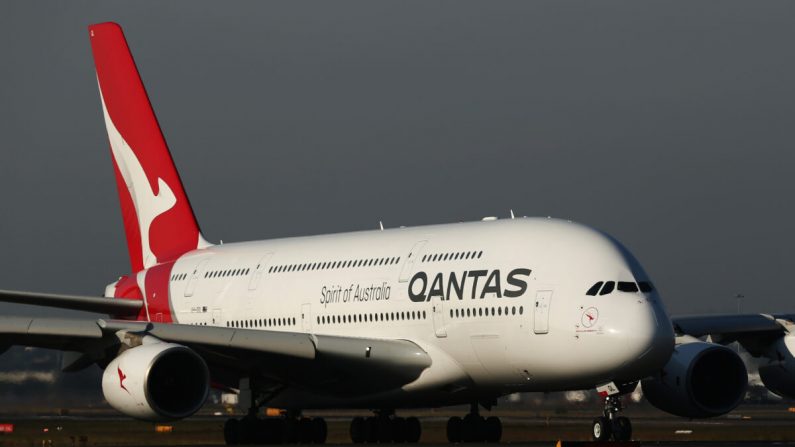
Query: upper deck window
x: 594, y: 289
x: 609, y: 286
x: 645, y: 286
x: 627, y: 286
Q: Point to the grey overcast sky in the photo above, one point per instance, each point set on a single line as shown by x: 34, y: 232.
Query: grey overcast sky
x: 668, y: 124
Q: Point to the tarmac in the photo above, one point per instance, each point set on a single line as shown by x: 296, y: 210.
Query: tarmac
x: 749, y: 427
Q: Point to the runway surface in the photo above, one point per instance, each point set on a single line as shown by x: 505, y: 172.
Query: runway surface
x: 750, y: 427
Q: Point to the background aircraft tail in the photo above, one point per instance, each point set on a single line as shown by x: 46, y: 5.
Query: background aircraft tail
x: 158, y: 219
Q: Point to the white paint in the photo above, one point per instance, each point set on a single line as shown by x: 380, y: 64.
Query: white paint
x: 148, y: 205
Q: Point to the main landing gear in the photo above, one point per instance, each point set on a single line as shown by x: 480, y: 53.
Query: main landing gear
x: 610, y: 425
x: 276, y: 430
x: 474, y: 428
x: 385, y: 427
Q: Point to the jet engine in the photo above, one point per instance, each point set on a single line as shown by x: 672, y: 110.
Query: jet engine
x: 156, y: 381
x: 779, y: 374
x: 700, y: 380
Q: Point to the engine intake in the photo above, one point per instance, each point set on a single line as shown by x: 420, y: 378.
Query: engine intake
x: 157, y: 381
x: 700, y: 380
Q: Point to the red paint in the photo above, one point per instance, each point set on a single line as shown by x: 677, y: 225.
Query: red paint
x: 127, y: 288
x: 156, y: 286
x: 122, y: 376
x: 174, y: 232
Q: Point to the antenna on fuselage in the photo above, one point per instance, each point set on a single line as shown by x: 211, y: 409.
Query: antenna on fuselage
x: 381, y: 224
x: 512, y: 216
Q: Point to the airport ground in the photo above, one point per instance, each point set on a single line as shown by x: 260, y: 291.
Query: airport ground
x: 749, y: 425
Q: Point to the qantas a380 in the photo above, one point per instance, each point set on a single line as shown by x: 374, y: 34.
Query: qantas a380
x: 382, y: 320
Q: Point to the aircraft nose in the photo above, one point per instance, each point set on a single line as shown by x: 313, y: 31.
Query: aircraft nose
x: 649, y: 338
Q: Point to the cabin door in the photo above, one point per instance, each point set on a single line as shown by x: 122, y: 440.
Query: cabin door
x: 256, y: 276
x: 194, y: 278
x: 541, y: 311
x: 437, y: 309
x: 306, y: 317
x: 411, y: 260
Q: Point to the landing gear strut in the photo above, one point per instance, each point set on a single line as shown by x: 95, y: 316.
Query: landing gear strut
x: 288, y: 428
x: 474, y: 427
x: 610, y: 425
x: 385, y: 427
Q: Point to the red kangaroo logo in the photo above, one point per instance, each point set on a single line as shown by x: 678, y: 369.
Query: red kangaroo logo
x: 122, y: 376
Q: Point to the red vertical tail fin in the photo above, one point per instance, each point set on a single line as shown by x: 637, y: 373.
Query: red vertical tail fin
x: 158, y: 219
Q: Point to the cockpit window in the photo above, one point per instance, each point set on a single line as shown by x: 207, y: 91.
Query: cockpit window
x: 645, y: 286
x: 609, y: 286
x: 594, y: 289
x: 625, y: 286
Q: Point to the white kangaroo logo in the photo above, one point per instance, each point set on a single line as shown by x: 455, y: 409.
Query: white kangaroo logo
x: 148, y: 205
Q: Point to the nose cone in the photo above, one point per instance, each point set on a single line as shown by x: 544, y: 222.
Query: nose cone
x: 649, y: 338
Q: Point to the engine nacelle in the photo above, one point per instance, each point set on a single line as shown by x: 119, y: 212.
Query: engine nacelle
x: 700, y: 380
x: 779, y: 374
x: 156, y: 381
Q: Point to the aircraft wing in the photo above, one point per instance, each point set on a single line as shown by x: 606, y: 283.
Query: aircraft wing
x: 331, y: 363
x: 102, y: 305
x: 753, y: 331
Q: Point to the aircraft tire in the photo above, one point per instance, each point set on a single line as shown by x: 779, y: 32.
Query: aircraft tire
x: 359, y: 432
x: 455, y: 429
x: 232, y: 432
x: 413, y: 430
x: 304, y: 435
x: 372, y: 429
x: 319, y: 431
x: 492, y: 429
x: 622, y: 429
x: 398, y: 430
x: 384, y: 432
x: 473, y: 428
x: 600, y: 429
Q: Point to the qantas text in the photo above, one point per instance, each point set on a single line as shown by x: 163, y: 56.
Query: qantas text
x: 472, y: 284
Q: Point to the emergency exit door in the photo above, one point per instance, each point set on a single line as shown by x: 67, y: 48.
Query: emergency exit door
x: 437, y: 310
x: 541, y: 311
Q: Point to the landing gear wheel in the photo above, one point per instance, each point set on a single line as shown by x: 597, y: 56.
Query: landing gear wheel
x: 319, y: 430
x: 413, y: 430
x: 398, y: 430
x: 492, y: 429
x: 358, y: 430
x: 473, y: 428
x: 622, y: 429
x: 600, y: 429
x: 384, y: 430
x: 232, y: 432
x: 455, y: 429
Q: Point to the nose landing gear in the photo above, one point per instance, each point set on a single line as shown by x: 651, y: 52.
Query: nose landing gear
x: 610, y: 425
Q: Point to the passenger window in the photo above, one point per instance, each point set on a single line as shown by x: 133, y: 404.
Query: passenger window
x: 626, y: 286
x: 645, y: 286
x: 594, y: 289
x: 609, y: 286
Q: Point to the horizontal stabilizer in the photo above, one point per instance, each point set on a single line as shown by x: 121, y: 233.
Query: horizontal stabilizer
x: 110, y: 306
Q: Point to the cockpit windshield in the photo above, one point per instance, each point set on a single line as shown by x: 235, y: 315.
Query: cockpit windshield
x: 607, y: 287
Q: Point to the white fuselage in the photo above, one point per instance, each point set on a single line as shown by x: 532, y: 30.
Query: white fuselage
x: 523, y: 328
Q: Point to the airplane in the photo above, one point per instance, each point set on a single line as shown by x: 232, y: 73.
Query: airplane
x: 401, y: 318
